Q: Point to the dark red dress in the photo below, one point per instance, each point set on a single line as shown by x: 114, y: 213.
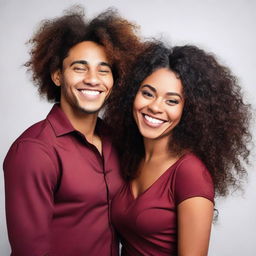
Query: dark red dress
x: 148, y: 224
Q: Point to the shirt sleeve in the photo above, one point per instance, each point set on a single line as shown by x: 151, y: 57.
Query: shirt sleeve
x: 30, y: 177
x: 193, y: 180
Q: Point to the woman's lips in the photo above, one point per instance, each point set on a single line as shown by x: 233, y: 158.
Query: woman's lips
x: 152, y: 121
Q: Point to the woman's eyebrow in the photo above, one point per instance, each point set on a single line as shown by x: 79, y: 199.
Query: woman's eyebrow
x: 149, y: 86
x: 174, y: 94
x: 154, y: 90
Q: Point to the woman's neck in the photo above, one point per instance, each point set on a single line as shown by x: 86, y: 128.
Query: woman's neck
x: 158, y: 148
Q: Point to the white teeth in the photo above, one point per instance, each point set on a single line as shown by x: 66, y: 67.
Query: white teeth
x: 89, y: 92
x: 153, y: 120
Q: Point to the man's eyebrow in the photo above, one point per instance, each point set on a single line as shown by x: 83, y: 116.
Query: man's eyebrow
x: 168, y: 93
x: 84, y: 62
x: 105, y: 64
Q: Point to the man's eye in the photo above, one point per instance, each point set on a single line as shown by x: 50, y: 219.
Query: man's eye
x: 78, y: 68
x: 106, y: 71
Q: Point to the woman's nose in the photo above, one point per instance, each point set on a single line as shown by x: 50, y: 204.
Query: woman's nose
x: 155, y: 106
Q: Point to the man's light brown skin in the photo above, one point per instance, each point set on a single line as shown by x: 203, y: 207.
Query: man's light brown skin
x: 86, y: 82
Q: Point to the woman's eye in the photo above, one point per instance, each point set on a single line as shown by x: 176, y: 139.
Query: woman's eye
x: 147, y: 94
x: 172, y: 102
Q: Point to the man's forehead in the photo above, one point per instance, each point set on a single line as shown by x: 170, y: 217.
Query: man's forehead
x: 88, y: 52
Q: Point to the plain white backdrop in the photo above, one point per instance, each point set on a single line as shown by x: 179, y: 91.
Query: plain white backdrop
x: 225, y: 27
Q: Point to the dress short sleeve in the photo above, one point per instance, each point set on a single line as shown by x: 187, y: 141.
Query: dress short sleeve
x: 192, y: 180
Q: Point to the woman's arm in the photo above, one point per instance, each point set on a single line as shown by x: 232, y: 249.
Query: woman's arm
x: 195, y: 217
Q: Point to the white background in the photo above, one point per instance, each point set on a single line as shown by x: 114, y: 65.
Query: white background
x: 225, y: 27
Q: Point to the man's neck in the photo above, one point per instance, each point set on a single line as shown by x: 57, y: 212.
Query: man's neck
x: 85, y: 123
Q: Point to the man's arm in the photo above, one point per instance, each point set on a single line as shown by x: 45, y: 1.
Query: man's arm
x: 30, y: 178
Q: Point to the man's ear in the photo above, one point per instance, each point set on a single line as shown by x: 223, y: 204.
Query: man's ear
x: 56, y: 77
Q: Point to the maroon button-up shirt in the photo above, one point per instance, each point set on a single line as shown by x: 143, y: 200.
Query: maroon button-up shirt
x: 58, y: 191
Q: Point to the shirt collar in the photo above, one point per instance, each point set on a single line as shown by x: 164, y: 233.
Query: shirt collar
x: 59, y: 121
x: 61, y: 125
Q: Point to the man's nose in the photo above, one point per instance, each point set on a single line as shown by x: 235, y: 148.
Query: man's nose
x: 91, y: 78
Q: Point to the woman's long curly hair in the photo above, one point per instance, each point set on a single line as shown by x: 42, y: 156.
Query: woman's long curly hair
x: 215, y: 119
x: 55, y: 37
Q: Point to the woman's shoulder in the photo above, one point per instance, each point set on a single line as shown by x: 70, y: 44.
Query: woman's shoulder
x: 192, y: 178
x: 191, y: 161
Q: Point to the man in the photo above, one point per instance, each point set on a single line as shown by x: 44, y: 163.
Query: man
x: 61, y: 173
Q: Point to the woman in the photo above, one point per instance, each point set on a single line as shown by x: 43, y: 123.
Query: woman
x: 181, y: 143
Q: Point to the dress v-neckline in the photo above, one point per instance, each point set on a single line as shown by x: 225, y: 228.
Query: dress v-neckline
x: 153, y: 183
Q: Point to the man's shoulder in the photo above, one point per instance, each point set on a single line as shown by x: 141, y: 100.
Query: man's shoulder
x: 40, y: 131
x: 38, y: 135
x: 35, y: 141
x: 32, y: 152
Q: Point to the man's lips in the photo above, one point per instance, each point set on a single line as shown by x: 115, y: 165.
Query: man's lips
x: 90, y: 92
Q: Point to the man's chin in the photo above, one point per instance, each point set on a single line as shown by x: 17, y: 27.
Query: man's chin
x: 90, y: 111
